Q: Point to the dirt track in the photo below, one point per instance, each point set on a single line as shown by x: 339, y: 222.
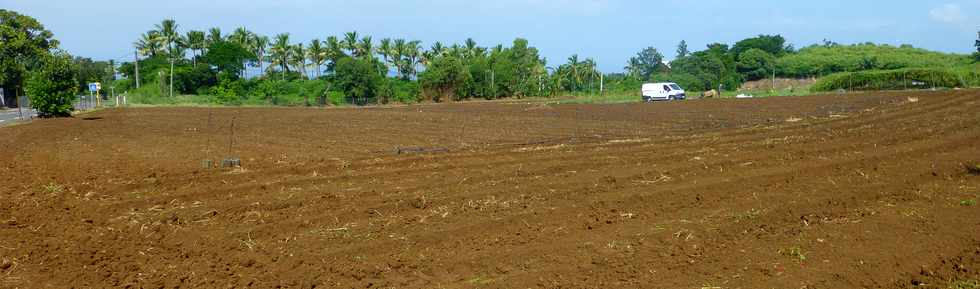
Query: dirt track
x: 857, y: 191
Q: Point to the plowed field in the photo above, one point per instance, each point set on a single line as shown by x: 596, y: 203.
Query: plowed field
x: 856, y: 191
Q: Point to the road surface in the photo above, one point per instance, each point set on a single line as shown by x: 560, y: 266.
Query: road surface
x: 12, y: 115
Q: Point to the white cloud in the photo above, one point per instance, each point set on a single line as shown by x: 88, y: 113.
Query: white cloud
x: 949, y: 13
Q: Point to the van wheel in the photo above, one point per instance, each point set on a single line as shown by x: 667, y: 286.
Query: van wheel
x: 670, y: 98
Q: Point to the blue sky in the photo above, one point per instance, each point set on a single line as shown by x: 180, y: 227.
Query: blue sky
x: 609, y: 30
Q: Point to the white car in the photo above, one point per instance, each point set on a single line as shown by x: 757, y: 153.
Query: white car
x: 662, y: 91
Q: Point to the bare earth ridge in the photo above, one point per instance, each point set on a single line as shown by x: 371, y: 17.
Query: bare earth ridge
x: 855, y: 191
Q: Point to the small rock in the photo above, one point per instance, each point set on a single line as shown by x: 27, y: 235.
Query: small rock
x: 5, y: 264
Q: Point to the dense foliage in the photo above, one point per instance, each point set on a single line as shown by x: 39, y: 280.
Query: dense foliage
x: 354, y: 68
x: 766, y: 56
x: 23, y: 44
x: 826, y: 59
x: 909, y: 78
x: 52, y: 87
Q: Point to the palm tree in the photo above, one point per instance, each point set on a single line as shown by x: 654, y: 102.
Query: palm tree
x: 335, y: 51
x: 280, y: 53
x: 365, y: 48
x: 240, y: 36
x: 456, y: 51
x: 471, y: 48
x: 169, y: 35
x: 298, y: 58
x: 350, y: 42
x: 195, y: 41
x: 414, y: 49
x: 149, y: 44
x: 384, y: 49
x: 214, y: 36
x: 398, y: 55
x: 590, y: 71
x: 259, y: 46
x: 438, y: 49
x: 317, y: 54
x: 573, y: 72
x: 633, y: 67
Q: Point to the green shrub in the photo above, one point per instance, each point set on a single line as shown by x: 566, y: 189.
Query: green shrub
x: 896, y: 79
x: 52, y: 88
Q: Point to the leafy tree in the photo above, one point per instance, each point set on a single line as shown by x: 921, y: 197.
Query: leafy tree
x: 445, y: 78
x: 682, y: 49
x: 773, y: 44
x: 52, y: 88
x: 91, y: 71
x: 228, y: 58
x: 189, y: 79
x: 651, y: 62
x: 713, y: 67
x: 358, y: 78
x: 23, y: 44
x: 755, y: 64
x: 869, y: 63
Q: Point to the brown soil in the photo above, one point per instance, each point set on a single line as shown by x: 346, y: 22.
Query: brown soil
x: 856, y: 191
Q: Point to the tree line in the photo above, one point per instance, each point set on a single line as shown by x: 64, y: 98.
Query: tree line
x: 32, y: 64
x: 244, y: 67
x: 356, y: 66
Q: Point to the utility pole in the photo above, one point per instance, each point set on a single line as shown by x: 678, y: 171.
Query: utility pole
x: 493, y: 83
x: 112, y: 80
x: 3, y: 100
x: 171, y: 76
x: 601, y: 76
x: 774, y: 78
x: 136, y: 56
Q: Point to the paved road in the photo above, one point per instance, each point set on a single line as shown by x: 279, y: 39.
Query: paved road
x: 12, y: 115
x: 9, y: 115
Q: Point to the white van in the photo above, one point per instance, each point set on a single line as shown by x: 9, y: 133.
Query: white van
x: 662, y: 91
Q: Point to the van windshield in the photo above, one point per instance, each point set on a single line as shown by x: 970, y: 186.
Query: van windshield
x: 675, y: 87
